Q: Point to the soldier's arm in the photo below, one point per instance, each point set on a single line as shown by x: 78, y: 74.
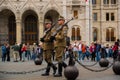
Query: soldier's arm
x: 63, y: 33
x: 65, y: 30
x: 47, y: 38
x: 59, y: 36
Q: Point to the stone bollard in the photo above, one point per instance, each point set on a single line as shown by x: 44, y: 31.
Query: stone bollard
x: 116, y: 67
x: 71, y: 72
x: 38, y: 61
x: 104, y: 62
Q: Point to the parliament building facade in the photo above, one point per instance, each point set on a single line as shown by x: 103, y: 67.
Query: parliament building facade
x: 95, y: 20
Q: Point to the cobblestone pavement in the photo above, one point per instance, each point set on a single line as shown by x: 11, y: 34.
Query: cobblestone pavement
x: 29, y: 65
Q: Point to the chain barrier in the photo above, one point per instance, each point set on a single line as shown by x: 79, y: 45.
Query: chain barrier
x: 89, y: 65
x: 85, y: 66
x: 93, y: 70
x: 92, y: 64
x: 23, y: 72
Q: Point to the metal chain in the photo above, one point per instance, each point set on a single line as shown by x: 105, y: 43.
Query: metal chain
x: 93, y: 70
x: 90, y: 65
x: 23, y: 72
x: 33, y: 71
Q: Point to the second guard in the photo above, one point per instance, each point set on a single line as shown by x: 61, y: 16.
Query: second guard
x: 60, y: 44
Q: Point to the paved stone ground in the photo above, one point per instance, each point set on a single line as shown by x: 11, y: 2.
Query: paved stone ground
x: 29, y: 65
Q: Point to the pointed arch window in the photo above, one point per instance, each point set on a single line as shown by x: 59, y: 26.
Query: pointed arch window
x: 78, y: 34
x: 30, y: 30
x: 95, y: 34
x: 93, y: 1
x: 106, y: 1
x: 110, y: 34
x: 107, y: 35
x: 12, y: 29
x: 76, y: 14
x: 113, y: 2
x: 73, y: 34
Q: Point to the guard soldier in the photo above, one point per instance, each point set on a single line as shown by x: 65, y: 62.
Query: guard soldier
x: 60, y: 44
x: 48, y: 46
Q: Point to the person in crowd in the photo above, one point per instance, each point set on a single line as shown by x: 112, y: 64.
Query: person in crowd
x: 92, y: 50
x: 4, y: 51
x: 79, y: 50
x: 118, y: 55
x: 75, y: 51
x: 110, y: 52
x: 83, y: 51
x: 88, y: 52
x: 98, y: 47
x: 66, y: 55
x: 117, y: 42
x: 40, y: 52
x: 15, y: 52
x: 23, y: 49
x: 34, y: 51
x: 28, y: 52
x: 115, y: 51
x: 107, y: 50
x: 75, y: 43
x: 103, y: 52
x: 67, y: 41
x: 20, y: 52
x: 8, y: 52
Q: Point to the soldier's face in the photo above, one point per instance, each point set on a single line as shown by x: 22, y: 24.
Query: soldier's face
x: 61, y: 22
x: 48, y: 25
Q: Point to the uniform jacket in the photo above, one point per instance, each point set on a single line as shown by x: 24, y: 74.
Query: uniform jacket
x: 47, y: 44
x: 61, y: 37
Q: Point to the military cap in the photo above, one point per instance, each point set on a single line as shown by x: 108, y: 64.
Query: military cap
x: 61, y: 18
x: 47, y: 21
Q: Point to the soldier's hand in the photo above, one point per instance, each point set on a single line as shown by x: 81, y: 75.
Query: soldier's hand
x: 52, y: 38
x: 42, y: 39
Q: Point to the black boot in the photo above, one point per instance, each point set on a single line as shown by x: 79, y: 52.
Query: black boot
x: 59, y: 74
x: 54, y: 68
x: 47, y: 71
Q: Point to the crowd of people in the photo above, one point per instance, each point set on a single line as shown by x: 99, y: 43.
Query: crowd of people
x: 20, y: 52
x: 94, y: 52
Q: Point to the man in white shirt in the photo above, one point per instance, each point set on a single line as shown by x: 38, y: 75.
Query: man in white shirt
x: 79, y: 50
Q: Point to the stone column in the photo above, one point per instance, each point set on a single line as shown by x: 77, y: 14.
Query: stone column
x: 40, y: 27
x: 64, y: 9
x: 88, y: 21
x: 101, y: 33
x: 91, y: 25
x: 118, y: 28
x: 18, y: 31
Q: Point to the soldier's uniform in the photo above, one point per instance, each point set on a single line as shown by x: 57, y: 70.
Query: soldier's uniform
x: 48, y: 46
x: 60, y: 44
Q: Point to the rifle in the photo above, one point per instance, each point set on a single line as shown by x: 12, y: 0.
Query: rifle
x: 47, y: 31
x: 59, y: 28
